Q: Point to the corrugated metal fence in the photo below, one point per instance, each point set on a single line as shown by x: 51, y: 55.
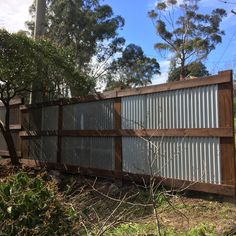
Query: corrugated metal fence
x: 180, y: 132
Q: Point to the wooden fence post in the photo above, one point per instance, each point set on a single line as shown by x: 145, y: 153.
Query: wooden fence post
x: 227, y: 144
x: 59, y: 132
x: 118, y: 139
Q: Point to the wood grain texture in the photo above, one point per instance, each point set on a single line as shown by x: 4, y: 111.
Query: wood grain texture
x: 59, y: 131
x: 227, y: 145
x: 174, y: 184
x: 215, y: 132
x: 221, y: 78
x: 118, y: 139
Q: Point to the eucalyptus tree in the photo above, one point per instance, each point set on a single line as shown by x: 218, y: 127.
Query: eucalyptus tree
x: 132, y: 69
x: 83, y: 25
x: 194, y: 69
x: 186, y: 32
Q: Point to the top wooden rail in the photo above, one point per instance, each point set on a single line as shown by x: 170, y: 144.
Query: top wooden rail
x: 221, y: 78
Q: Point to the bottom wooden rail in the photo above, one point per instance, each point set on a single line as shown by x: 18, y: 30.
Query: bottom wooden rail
x: 174, y: 184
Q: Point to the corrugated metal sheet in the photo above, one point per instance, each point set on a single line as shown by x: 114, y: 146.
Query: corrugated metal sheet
x: 94, y: 152
x: 193, y: 159
x: 185, y: 108
x: 43, y: 149
x: 3, y: 145
x: 35, y: 119
x: 98, y: 115
x: 35, y: 149
x: 133, y: 112
x: 50, y: 118
x: 14, y: 115
x: 49, y: 148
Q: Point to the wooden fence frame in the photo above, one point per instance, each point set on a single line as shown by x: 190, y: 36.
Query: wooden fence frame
x: 225, y: 132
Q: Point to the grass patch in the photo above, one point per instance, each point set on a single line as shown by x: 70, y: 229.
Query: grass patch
x: 150, y: 229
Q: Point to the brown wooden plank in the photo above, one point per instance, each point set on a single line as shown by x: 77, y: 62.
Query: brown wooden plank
x: 15, y: 127
x: 14, y: 102
x: 6, y: 153
x: 227, y: 145
x: 176, y: 184
x: 33, y: 133
x: 117, y: 115
x: 212, y: 132
x: 59, y: 137
x: 228, y: 170
x: 118, y: 154
x: 118, y: 139
x: 222, y: 77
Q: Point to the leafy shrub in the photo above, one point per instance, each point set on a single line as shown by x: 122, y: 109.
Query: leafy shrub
x: 30, y: 206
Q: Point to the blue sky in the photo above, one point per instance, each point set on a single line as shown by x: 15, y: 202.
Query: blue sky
x: 139, y: 29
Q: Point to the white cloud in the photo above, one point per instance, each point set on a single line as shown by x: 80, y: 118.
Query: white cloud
x: 164, y: 66
x: 13, y: 14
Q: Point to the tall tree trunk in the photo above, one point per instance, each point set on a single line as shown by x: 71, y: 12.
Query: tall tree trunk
x: 39, y: 30
x: 182, y: 67
x: 182, y: 72
x: 40, y: 18
x: 5, y: 129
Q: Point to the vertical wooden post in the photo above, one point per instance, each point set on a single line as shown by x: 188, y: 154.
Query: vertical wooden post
x: 227, y: 144
x: 118, y: 140
x: 59, y: 132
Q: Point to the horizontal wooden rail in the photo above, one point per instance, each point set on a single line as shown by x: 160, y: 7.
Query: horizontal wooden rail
x: 209, y: 132
x: 221, y: 78
x: 175, y: 184
x: 14, y: 102
x: 5, y: 153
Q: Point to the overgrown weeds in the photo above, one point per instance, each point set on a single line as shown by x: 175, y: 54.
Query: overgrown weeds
x: 32, y: 206
x: 36, y: 203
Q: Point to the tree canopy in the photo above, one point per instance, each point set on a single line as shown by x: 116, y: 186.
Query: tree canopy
x: 194, y: 69
x: 132, y: 69
x: 188, y: 34
x: 84, y: 26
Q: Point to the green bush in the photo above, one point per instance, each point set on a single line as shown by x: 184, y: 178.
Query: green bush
x: 31, y: 206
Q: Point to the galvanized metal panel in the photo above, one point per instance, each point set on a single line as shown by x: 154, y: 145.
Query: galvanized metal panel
x: 35, y: 119
x: 49, y: 149
x: 186, y: 158
x: 14, y: 115
x: 98, y: 115
x: 50, y: 118
x: 43, y: 149
x: 3, y: 145
x: 185, y: 108
x: 35, y: 149
x: 93, y: 152
x: 133, y: 112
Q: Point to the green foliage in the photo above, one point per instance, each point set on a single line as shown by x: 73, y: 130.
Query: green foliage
x: 85, y: 26
x: 23, y: 60
x: 185, y: 32
x: 132, y: 69
x: 30, y: 206
x: 194, y: 69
